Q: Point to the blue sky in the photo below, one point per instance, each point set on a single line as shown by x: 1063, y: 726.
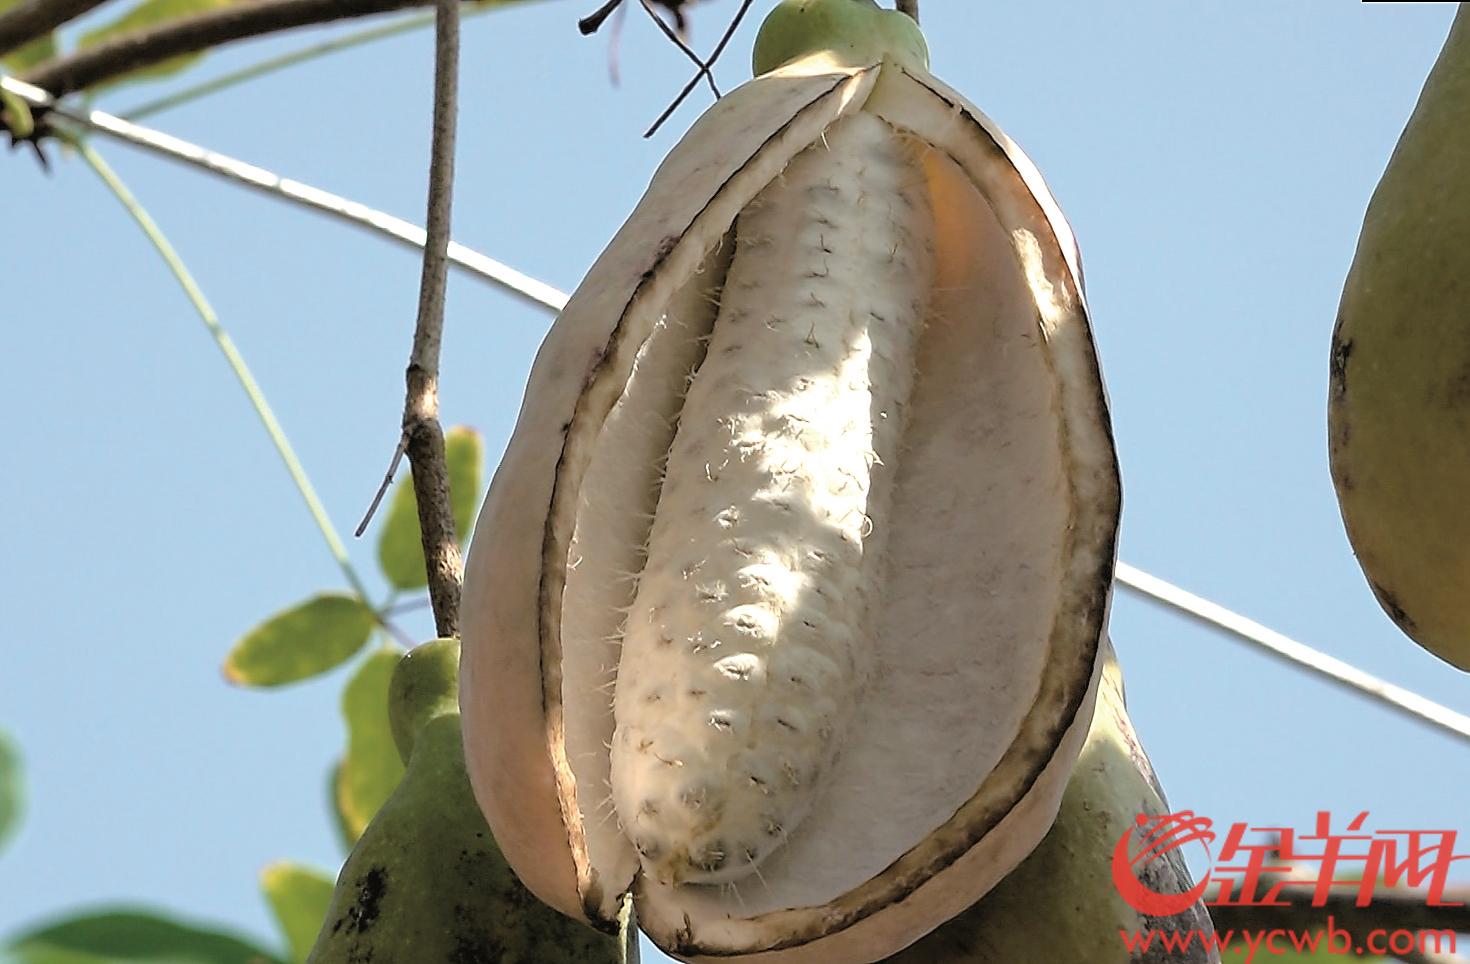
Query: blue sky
x: 1214, y: 159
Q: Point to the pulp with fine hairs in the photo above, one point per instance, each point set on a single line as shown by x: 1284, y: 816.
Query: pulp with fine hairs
x: 747, y: 644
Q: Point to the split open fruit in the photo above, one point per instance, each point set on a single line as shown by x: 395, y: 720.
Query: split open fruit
x: 783, y: 609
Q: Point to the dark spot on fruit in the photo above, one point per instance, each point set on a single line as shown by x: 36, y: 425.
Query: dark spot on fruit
x: 595, y: 362
x: 363, y: 914
x: 1341, y: 352
x: 665, y: 248
x: 1457, y: 392
x: 1390, y: 605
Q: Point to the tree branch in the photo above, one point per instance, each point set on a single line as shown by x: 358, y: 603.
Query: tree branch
x: 1427, y: 957
x: 531, y: 290
x: 1391, y: 909
x: 186, y: 35
x: 29, y: 21
x: 1299, y: 655
x: 423, y: 439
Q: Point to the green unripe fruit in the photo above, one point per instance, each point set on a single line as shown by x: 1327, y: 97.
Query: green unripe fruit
x: 855, y: 33
x: 1398, y: 412
x: 426, y: 881
x: 425, y: 685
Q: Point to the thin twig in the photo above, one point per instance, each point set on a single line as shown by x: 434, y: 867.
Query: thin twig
x: 422, y: 436
x: 593, y: 22
x: 1390, y: 909
x: 232, y: 357
x: 408, y: 606
x: 910, y: 7
x: 705, y: 67
x: 360, y: 215
x: 186, y: 35
x: 1429, y: 957
x: 678, y: 41
x: 34, y: 20
x: 1298, y: 654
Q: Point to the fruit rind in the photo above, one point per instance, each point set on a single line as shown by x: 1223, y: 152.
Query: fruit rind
x: 513, y: 659
x: 1399, y: 396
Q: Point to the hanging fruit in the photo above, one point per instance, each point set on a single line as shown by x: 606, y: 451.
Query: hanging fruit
x: 783, y: 610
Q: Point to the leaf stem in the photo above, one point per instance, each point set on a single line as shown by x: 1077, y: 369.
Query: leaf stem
x: 232, y: 356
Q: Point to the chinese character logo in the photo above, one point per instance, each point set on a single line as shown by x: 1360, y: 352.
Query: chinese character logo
x: 1142, y: 851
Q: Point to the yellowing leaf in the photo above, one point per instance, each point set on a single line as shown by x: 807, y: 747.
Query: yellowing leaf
x: 371, y: 769
x: 299, y: 897
x: 151, y: 13
x: 301, y: 642
x: 400, y: 546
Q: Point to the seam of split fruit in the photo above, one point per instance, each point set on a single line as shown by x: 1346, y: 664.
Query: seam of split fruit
x: 784, y: 608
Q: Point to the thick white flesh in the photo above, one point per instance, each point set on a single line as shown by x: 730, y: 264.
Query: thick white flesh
x: 608, y: 546
x: 748, y: 642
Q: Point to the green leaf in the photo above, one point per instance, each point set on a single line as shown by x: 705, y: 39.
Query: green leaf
x: 371, y: 769
x: 112, y: 935
x: 150, y: 13
x: 400, y: 547
x: 12, y: 792
x: 299, y: 896
x: 301, y: 642
x: 345, y: 835
x: 16, y: 116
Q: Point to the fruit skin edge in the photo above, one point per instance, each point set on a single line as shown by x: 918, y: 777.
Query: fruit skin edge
x: 1034, y: 209
x: 1035, y: 195
x: 1061, y: 904
x: 426, y: 882
x: 1399, y: 397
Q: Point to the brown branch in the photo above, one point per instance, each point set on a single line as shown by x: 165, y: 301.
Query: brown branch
x: 423, y: 438
x: 186, y: 35
x: 910, y: 7
x: 31, y: 21
x: 593, y: 22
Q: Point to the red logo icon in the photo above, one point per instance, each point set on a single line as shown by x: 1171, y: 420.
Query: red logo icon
x: 1152, y: 842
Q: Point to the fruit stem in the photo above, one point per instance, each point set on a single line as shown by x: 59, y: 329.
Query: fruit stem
x: 910, y: 7
x: 232, y: 356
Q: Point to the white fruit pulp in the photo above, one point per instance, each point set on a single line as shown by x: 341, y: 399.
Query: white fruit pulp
x: 748, y: 643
